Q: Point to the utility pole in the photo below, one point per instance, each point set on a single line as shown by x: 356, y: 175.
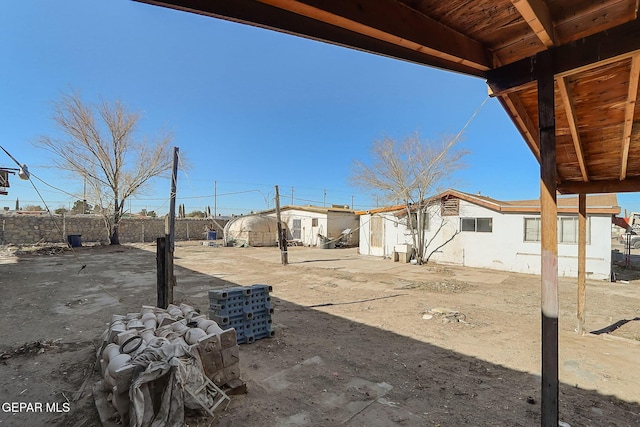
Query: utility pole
x: 352, y: 202
x: 215, y: 199
x: 324, y: 199
x: 282, y: 244
x: 291, y: 196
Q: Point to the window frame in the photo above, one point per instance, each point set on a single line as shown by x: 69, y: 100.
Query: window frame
x: 465, y: 227
x: 561, y: 220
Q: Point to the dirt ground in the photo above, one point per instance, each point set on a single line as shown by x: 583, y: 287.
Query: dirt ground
x: 360, y: 341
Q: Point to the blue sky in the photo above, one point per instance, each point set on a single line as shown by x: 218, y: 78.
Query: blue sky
x: 249, y: 108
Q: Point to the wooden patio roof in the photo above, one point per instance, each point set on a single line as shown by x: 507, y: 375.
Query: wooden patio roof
x: 595, y: 46
x: 566, y: 72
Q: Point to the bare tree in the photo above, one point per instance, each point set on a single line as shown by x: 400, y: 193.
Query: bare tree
x: 407, y: 172
x: 100, y: 145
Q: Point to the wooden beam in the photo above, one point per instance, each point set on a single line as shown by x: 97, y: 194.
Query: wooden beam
x: 628, y: 185
x: 549, y: 241
x: 608, y: 46
x: 537, y: 15
x: 282, y: 241
x: 395, y: 23
x: 569, y: 109
x: 253, y: 12
x: 162, y: 274
x: 582, y: 265
x: 629, y: 112
x: 512, y: 104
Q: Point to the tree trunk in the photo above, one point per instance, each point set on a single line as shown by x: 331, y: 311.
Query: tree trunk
x: 114, y: 238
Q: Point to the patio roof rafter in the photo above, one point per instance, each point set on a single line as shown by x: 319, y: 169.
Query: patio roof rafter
x: 629, y: 112
x: 570, y: 110
x: 393, y: 22
x: 518, y: 112
x: 538, y: 17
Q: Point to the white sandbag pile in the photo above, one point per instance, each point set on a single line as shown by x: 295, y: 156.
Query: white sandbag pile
x: 156, y: 362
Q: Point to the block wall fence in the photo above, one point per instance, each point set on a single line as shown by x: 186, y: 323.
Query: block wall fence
x: 25, y: 229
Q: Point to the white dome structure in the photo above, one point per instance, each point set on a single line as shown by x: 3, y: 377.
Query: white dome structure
x: 251, y: 230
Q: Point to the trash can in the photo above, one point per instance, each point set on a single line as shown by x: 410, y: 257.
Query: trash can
x: 75, y: 240
x: 212, y: 235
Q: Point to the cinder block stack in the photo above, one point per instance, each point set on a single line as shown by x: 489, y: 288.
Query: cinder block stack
x: 246, y: 309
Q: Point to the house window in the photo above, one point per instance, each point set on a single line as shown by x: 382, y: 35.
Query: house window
x: 479, y: 225
x: 450, y: 207
x: 567, y: 230
x: 314, y: 222
x: 296, y: 231
x: 414, y: 221
x: 532, y: 229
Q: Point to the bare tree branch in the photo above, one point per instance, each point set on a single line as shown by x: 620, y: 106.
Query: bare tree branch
x: 100, y: 145
x: 408, y: 171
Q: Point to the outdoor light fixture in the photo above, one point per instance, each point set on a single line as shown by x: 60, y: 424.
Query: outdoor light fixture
x: 23, y: 173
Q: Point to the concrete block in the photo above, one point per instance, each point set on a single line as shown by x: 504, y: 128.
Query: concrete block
x: 230, y: 356
x: 228, y: 338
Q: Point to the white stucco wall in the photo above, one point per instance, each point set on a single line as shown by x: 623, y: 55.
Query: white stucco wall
x: 339, y: 221
x: 502, y: 249
x: 330, y: 225
x: 308, y: 233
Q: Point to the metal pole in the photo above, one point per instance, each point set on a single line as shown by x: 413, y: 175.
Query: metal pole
x: 215, y: 199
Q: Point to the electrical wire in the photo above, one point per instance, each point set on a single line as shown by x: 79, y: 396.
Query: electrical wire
x: 55, y: 223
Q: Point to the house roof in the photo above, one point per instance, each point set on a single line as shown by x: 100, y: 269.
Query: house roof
x: 315, y: 209
x: 596, y: 204
x: 592, y: 48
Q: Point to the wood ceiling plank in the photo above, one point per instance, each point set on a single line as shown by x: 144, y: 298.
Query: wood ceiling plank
x: 537, y: 15
x: 573, y: 23
x: 395, y: 23
x: 629, y: 113
x: 569, y: 109
x: 606, y: 47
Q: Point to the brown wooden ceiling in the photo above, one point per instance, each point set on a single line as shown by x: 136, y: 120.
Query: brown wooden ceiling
x: 595, y: 46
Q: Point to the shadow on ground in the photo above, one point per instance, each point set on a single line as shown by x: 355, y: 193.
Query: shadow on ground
x: 625, y: 267
x: 319, y: 369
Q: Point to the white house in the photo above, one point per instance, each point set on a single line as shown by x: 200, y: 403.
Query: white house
x: 319, y: 226
x: 495, y: 234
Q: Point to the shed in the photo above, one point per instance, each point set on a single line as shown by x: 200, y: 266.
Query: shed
x: 313, y: 225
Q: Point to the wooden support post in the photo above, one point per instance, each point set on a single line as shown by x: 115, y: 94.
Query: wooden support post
x: 161, y: 268
x: 282, y: 242
x: 170, y: 227
x: 582, y: 254
x: 549, y: 223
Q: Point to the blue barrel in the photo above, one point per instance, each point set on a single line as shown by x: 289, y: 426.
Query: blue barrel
x: 75, y: 240
x: 212, y: 235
